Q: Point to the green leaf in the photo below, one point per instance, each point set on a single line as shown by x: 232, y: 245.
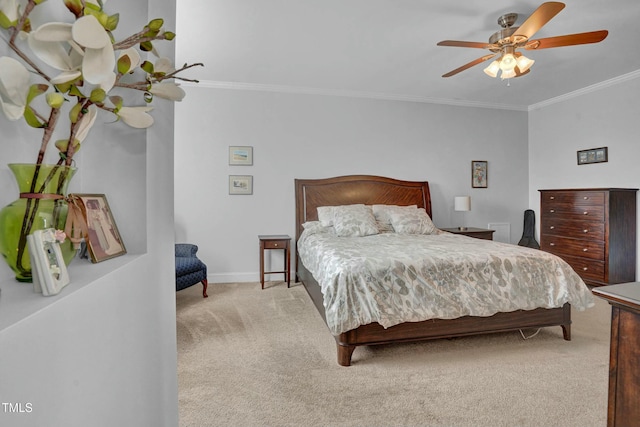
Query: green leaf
x: 36, y: 90
x: 31, y: 118
x: 117, y: 101
x: 6, y: 22
x: 124, y: 64
x: 168, y: 35
x: 75, y: 91
x: 147, y: 67
x: 156, y: 24
x: 112, y: 22
x: 146, y: 46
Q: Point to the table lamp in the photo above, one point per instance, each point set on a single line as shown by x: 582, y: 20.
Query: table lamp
x: 462, y: 204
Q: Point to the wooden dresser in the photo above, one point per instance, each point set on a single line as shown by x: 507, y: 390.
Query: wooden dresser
x: 594, y: 230
x: 624, y: 376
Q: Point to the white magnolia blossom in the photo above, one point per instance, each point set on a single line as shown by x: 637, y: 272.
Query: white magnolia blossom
x: 79, y: 49
x: 136, y: 117
x: 168, y: 90
x: 14, y: 87
x: 86, y: 122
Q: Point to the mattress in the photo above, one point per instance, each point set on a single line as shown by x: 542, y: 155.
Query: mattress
x: 392, y: 278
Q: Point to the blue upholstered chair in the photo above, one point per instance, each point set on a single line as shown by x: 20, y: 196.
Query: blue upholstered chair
x: 189, y: 269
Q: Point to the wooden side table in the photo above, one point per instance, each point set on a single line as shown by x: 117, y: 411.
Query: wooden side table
x: 275, y: 241
x: 478, y: 233
x: 624, y: 376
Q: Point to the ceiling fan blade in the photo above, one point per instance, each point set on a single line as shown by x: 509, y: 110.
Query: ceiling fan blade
x: 469, y: 65
x: 568, y: 40
x: 458, y: 43
x: 537, y: 20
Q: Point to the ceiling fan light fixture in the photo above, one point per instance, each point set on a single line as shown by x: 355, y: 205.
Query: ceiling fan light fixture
x: 524, y: 63
x: 492, y: 69
x: 508, y: 74
x: 508, y: 60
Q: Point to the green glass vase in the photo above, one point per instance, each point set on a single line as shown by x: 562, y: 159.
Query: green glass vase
x: 41, y: 205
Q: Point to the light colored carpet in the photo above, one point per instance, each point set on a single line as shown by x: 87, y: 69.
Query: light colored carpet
x: 252, y: 357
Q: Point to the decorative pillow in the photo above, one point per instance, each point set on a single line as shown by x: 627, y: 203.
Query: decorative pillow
x: 315, y: 227
x: 412, y: 222
x: 354, y: 221
x: 382, y: 214
x: 325, y: 215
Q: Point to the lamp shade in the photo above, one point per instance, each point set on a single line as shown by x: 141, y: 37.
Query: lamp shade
x: 462, y: 203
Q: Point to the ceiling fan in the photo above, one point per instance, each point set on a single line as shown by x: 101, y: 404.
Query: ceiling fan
x: 504, y: 43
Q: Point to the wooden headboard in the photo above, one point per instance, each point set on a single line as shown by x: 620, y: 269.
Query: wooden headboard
x: 354, y: 189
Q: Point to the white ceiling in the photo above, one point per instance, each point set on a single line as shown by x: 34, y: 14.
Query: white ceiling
x: 387, y: 48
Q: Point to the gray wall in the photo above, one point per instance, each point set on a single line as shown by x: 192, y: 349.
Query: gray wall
x: 315, y: 136
x: 103, y: 352
x: 604, y: 117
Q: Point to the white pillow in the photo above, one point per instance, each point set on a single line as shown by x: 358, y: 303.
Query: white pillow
x: 382, y: 214
x: 412, y: 222
x: 325, y: 215
x: 354, y: 221
x: 315, y: 227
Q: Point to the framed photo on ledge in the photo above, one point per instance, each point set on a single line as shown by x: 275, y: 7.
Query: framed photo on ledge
x: 103, y: 238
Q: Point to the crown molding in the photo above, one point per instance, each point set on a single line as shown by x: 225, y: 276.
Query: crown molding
x: 212, y: 84
x: 589, y: 89
x: 349, y: 94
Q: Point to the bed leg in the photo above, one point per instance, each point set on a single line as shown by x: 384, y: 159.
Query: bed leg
x: 566, y: 332
x: 344, y: 354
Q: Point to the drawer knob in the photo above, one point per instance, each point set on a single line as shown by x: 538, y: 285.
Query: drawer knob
x: 586, y: 197
x: 552, y: 210
x: 584, y: 268
x: 275, y: 244
x: 586, y: 231
x: 585, y: 213
x: 552, y: 197
x: 585, y: 250
x: 552, y: 227
x: 552, y: 244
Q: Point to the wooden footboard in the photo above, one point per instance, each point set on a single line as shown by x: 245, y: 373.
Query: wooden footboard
x: 374, y: 333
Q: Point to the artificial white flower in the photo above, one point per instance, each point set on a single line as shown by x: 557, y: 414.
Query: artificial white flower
x: 133, y: 55
x: 99, y: 58
x: 14, y: 87
x: 9, y: 8
x: 136, y: 117
x: 168, y: 90
x: 86, y: 122
x: 53, y: 44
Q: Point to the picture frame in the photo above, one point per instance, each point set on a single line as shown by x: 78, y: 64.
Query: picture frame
x: 593, y: 155
x: 102, y: 237
x: 48, y: 270
x: 479, y: 173
x: 240, y: 184
x: 240, y: 155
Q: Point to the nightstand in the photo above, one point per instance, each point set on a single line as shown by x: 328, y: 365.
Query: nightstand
x: 478, y: 233
x: 277, y: 241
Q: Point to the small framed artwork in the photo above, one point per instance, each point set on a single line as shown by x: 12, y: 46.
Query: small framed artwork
x: 593, y: 155
x: 479, y: 173
x: 240, y: 155
x: 48, y: 270
x: 240, y: 184
x: 103, y: 239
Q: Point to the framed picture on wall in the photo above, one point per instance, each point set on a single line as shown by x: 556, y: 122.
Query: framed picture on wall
x: 593, y: 155
x: 479, y: 173
x: 240, y: 184
x: 103, y: 238
x: 240, y: 155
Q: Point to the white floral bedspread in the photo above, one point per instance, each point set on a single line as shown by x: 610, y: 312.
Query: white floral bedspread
x: 391, y: 278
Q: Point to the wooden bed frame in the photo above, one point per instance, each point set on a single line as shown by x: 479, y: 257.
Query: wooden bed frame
x: 369, y: 190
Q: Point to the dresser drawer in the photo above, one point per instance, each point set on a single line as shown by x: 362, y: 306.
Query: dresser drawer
x: 592, y: 230
x: 550, y: 210
x: 587, y: 269
x: 573, y: 197
x: 573, y: 247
